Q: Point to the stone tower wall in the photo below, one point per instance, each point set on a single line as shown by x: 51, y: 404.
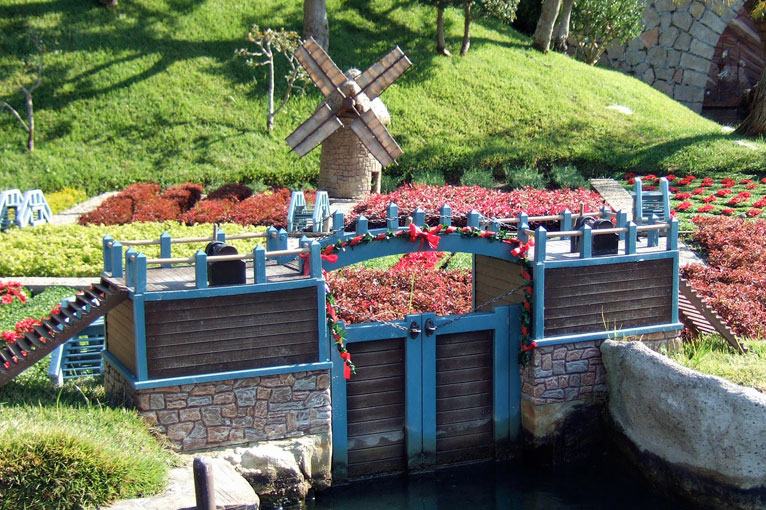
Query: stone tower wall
x: 346, y: 166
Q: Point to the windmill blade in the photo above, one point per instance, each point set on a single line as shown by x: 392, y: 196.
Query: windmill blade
x: 311, y: 133
x: 374, y: 135
x: 383, y: 73
x: 320, y: 67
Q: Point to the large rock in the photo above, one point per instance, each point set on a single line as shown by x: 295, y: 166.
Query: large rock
x: 285, y: 469
x: 700, y: 434
x: 231, y: 491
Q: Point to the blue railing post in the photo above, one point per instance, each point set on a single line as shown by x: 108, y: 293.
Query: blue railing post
x: 282, y: 245
x: 622, y: 220
x: 392, y: 216
x: 541, y: 239
x: 116, y: 259
x: 106, y: 244
x: 303, y: 243
x: 362, y: 226
x: 472, y: 220
x: 673, y: 234
x: 630, y: 239
x: 220, y: 236
x: 419, y: 217
x: 523, y: 225
x: 665, y: 190
x: 200, y: 269
x: 130, y: 267
x: 316, y: 260
x: 445, y: 215
x: 272, y: 239
x: 638, y: 207
x: 566, y: 223
x: 259, y: 264
x: 140, y: 273
x: 166, y: 249
x: 653, y: 236
x: 586, y: 241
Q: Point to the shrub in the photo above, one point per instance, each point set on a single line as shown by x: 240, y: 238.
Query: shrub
x: 208, y: 211
x: 234, y: 192
x: 396, y: 293
x: 268, y: 208
x: 520, y: 177
x: 157, y: 209
x: 478, y: 177
x: 141, y: 191
x: 64, y: 199
x: 598, y: 23
x: 568, y: 177
x: 736, y: 251
x: 116, y: 210
x: 493, y: 204
x: 185, y: 195
x: 429, y: 178
x: 388, y: 184
x: 37, y: 306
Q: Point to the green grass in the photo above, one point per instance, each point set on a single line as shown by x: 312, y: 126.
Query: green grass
x: 151, y: 90
x: 61, y: 447
x: 712, y: 355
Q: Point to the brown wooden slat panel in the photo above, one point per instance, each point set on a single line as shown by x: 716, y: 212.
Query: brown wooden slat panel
x: 615, y: 324
x: 306, y: 351
x: 369, y: 427
x: 214, y: 312
x: 120, y: 334
x: 164, y: 346
x: 555, y: 310
x: 463, y: 402
x: 603, y: 292
x: 383, y: 398
x: 464, y: 455
x: 287, y: 296
x: 374, y: 372
x: 464, y: 362
x: 378, y: 412
x: 467, y: 375
x: 610, y: 319
x: 461, y: 389
x: 237, y: 334
x: 478, y: 426
x: 266, y: 324
x: 385, y: 357
x: 388, y: 466
x: 495, y: 277
x: 473, y: 413
x: 222, y: 367
x: 480, y: 439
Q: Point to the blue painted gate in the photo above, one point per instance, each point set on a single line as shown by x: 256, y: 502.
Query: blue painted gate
x: 429, y: 390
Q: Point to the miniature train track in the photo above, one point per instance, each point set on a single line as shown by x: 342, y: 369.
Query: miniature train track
x: 72, y: 318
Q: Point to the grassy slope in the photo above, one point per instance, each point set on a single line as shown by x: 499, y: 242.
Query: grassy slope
x: 151, y: 91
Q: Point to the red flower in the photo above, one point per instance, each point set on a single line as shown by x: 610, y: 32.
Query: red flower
x: 728, y: 183
x: 329, y: 249
x: 524, y: 331
x: 745, y: 181
x: 709, y: 198
x: 525, y: 274
x: 723, y: 192
x: 671, y: 177
x: 705, y: 208
x: 9, y: 336
x: 683, y: 206
x: 728, y: 211
x: 380, y: 237
x: 698, y: 191
x: 752, y: 186
x: 682, y: 196
x: 356, y: 240
x: 751, y: 213
x: 527, y: 306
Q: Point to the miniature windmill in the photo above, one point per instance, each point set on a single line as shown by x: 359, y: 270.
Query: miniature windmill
x: 351, y: 107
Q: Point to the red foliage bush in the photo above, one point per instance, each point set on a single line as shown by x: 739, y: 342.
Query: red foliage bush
x: 157, y: 209
x: 490, y: 203
x: 374, y: 294
x: 185, y: 195
x: 735, y: 282
x: 116, y: 210
x: 231, y: 191
x: 208, y: 211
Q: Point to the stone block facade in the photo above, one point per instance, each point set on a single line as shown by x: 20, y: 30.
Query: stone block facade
x: 346, y: 166
x: 675, y: 51
x: 231, y: 412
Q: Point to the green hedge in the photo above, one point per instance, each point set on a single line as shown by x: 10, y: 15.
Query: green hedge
x: 76, y: 250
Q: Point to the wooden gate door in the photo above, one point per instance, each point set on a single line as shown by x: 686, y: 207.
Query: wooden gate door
x: 428, y: 391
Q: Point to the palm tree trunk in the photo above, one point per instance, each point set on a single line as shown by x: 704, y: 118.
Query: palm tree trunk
x: 755, y: 122
x: 544, y: 31
x: 466, y: 30
x: 441, y: 46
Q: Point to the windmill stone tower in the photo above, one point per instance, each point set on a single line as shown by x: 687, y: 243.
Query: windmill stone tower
x: 349, y: 122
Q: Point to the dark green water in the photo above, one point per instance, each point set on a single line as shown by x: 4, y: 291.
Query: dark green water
x: 599, y: 485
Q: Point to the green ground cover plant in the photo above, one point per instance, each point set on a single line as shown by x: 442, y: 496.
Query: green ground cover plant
x: 710, y: 354
x: 64, y: 199
x: 76, y: 250
x: 152, y: 90
x: 61, y: 448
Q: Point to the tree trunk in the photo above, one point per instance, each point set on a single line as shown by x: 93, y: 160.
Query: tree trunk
x: 30, y: 122
x: 544, y: 31
x: 466, y: 30
x: 315, y: 22
x: 441, y: 46
x: 270, y: 116
x: 755, y: 122
x: 561, y: 30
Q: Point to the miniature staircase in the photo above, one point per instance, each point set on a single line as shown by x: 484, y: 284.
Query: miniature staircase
x: 77, y: 315
x: 302, y: 216
x: 697, y: 315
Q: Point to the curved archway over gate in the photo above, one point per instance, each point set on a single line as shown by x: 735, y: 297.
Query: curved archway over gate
x: 429, y: 390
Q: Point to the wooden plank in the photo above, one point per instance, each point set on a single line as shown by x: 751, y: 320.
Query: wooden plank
x: 456, y: 442
x: 377, y: 412
x: 454, y: 403
x: 306, y: 294
x: 368, y: 401
x: 648, y: 286
x: 481, y: 374
x: 358, y: 428
x: 574, y: 309
x: 463, y: 455
x: 448, y: 365
x: 224, y: 367
x: 394, y: 59
x: 662, y: 313
x: 376, y: 138
x: 214, y: 312
x: 462, y: 389
x: 256, y: 324
x: 214, y: 345
x: 477, y: 413
x: 259, y: 355
x: 362, y: 387
x: 480, y: 425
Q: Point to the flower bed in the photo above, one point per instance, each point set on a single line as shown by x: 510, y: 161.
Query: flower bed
x: 735, y: 281
x: 490, y: 203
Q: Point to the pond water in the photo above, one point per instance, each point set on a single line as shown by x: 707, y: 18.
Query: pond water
x: 602, y: 484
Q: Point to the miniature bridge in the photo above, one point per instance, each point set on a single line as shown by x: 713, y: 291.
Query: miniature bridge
x: 71, y: 318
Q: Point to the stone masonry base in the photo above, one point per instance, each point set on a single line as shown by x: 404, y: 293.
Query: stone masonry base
x: 230, y: 412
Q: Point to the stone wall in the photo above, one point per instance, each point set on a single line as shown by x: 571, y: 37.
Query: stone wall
x: 675, y: 51
x: 346, y: 166
x: 563, y: 394
x: 233, y: 411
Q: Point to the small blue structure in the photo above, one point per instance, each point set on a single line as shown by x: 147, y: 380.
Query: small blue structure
x: 649, y: 203
x: 302, y: 216
x: 79, y: 356
x: 11, y: 202
x: 29, y: 209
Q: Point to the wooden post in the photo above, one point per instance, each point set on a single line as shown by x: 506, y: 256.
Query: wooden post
x: 200, y: 269
x: 445, y: 215
x: 259, y: 264
x: 204, y: 484
x: 272, y: 239
x: 220, y: 235
x: 116, y: 259
x: 653, y: 236
x: 140, y: 274
x: 541, y: 239
x: 419, y: 217
x: 522, y: 226
x: 361, y: 226
x: 106, y: 244
x: 622, y: 220
x: 130, y: 267
x: 473, y: 218
x: 302, y: 261
x: 586, y: 241
x: 392, y: 216
x: 638, y: 203
x: 282, y: 243
x: 673, y: 235
x: 316, y: 260
x: 665, y: 190
x: 165, y: 248
x: 566, y: 223
x: 630, y: 239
